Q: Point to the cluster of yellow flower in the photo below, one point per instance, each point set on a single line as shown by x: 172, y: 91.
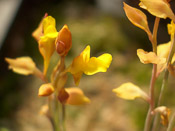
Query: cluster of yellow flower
x: 50, y: 40
x: 162, y: 57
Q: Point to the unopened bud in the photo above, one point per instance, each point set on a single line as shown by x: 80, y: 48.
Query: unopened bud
x: 45, y: 90
x: 63, y: 96
x: 64, y: 41
x: 60, y: 48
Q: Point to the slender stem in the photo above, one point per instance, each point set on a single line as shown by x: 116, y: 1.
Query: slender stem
x: 171, y: 123
x: 63, y: 117
x: 164, y: 83
x: 148, y: 120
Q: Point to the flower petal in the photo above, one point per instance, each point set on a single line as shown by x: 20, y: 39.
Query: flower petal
x: 65, y: 38
x: 130, y: 91
x: 46, y: 89
x: 149, y: 57
x: 164, y: 114
x: 76, y: 97
x: 137, y: 17
x: 22, y: 65
x: 99, y: 64
x: 158, y: 8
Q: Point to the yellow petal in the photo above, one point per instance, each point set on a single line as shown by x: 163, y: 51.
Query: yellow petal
x: 77, y: 78
x: 99, y: 64
x: 158, y: 8
x: 44, y: 110
x: 149, y: 57
x: 76, y: 97
x: 46, y: 89
x: 22, y: 65
x: 79, y: 63
x: 164, y: 114
x: 49, y: 25
x: 64, y: 41
x: 163, y: 49
x: 137, y: 17
x: 130, y: 91
x: 171, y: 28
x: 84, y: 64
x: 46, y: 48
x: 38, y: 32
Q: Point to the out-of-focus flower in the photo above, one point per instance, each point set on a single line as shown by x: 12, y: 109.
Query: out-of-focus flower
x: 130, y: 91
x: 137, y: 17
x: 22, y: 65
x: 150, y: 57
x: 47, y: 41
x: 158, y: 8
x: 164, y: 114
x: 84, y: 64
x: 76, y: 96
x: 46, y: 89
x: 63, y: 41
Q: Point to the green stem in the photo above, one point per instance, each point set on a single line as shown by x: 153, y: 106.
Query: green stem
x: 171, y: 123
x: 164, y: 83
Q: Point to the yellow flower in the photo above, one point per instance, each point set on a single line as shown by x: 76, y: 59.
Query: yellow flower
x: 63, y: 41
x: 164, y: 114
x: 39, y: 31
x: 84, y: 64
x: 163, y: 51
x: 149, y: 57
x: 76, y: 96
x: 47, y: 41
x: 130, y: 91
x: 22, y: 65
x: 158, y: 8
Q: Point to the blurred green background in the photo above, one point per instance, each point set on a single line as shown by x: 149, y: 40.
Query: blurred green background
x: 102, y: 25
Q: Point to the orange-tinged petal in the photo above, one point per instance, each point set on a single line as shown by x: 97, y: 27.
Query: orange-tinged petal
x: 77, y: 78
x: 76, y: 97
x: 149, y: 57
x: 38, y: 32
x: 130, y: 91
x: 22, y: 65
x: 137, y: 17
x: 46, y: 89
x: 164, y: 114
x: 65, y: 38
x: 158, y: 8
x: 171, y: 28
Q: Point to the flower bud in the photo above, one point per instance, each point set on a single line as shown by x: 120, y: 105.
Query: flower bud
x: 60, y: 48
x: 45, y: 90
x: 63, y: 95
x: 64, y: 41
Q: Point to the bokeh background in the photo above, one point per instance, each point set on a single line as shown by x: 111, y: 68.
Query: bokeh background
x: 101, y: 24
